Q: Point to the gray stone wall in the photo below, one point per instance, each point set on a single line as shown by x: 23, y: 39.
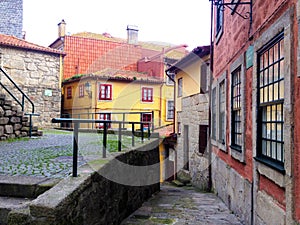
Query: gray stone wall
x: 92, y: 198
x: 11, y: 17
x: 37, y: 74
x: 12, y: 121
x: 195, y: 113
x: 232, y: 188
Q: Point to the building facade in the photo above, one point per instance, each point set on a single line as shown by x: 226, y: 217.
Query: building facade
x: 254, y: 114
x: 191, y: 75
x: 118, y: 68
x: 36, y: 71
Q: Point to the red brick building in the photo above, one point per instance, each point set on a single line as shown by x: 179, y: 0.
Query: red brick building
x: 255, y: 121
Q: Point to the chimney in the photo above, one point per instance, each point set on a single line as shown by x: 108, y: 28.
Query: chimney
x: 132, y: 34
x: 62, y: 28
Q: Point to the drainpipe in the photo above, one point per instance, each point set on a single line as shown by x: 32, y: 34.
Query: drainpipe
x: 160, y: 104
x: 209, y: 186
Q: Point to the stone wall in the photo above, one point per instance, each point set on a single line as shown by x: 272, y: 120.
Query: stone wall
x: 232, y: 188
x: 97, y: 197
x: 11, y: 17
x: 12, y: 121
x: 195, y: 109
x: 37, y: 74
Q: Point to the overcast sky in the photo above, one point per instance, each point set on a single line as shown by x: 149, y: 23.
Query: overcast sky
x: 173, y: 21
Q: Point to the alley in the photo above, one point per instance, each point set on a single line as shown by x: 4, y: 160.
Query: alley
x: 177, y: 205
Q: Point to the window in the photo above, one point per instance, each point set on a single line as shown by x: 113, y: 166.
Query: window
x: 236, y: 110
x: 170, y: 81
x: 170, y: 109
x: 69, y: 92
x: 270, y: 102
x: 105, y: 92
x: 179, y: 87
x: 222, y: 108
x: 147, y: 94
x: 146, y: 117
x: 81, y: 91
x: 104, y: 116
x: 219, y: 20
x: 214, y: 113
x: 202, y: 138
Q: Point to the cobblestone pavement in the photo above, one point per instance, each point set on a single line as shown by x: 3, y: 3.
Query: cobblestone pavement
x: 178, y: 206
x: 52, y: 154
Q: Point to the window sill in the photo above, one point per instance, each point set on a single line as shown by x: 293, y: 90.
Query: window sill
x: 271, y: 164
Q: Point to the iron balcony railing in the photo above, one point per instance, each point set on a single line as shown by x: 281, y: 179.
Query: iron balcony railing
x: 76, y: 122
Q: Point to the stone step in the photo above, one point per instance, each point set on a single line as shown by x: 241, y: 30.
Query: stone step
x: 8, y: 204
x: 25, y: 186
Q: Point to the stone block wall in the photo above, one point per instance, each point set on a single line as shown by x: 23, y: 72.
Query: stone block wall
x: 11, y: 17
x: 95, y: 197
x: 195, y: 109
x: 37, y: 74
x: 12, y: 121
x: 232, y: 188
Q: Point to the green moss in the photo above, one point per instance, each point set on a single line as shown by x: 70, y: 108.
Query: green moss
x: 162, y: 220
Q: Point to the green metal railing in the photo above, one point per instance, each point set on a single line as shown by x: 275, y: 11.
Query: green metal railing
x: 76, y: 123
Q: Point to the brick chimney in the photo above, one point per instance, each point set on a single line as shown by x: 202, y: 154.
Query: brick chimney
x: 62, y: 28
x: 132, y: 34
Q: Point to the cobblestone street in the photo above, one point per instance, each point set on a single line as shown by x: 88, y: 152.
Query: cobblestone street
x: 178, y: 206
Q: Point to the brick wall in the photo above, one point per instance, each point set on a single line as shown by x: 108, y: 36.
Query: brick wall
x: 11, y: 17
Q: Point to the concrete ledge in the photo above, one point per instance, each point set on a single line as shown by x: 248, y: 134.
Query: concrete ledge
x: 25, y: 186
x: 93, y: 198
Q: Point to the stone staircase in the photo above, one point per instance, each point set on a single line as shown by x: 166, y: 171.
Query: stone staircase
x: 13, y: 122
x: 16, y: 192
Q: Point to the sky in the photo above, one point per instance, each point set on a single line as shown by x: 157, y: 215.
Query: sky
x: 172, y: 21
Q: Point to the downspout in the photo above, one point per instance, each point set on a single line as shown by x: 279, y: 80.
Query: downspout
x: 160, y: 104
x: 209, y: 186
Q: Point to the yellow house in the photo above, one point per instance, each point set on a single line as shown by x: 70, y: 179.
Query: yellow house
x: 117, y: 95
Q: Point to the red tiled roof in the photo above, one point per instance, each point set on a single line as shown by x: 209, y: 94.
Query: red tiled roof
x: 7, y: 40
x: 88, y: 55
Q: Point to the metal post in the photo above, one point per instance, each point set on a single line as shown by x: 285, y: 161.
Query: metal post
x: 142, y: 132
x: 152, y: 117
x: 132, y: 134
x: 75, y: 149
x: 149, y: 131
x: 104, y: 140
x: 123, y: 120
x: 120, y: 138
x: 30, y: 125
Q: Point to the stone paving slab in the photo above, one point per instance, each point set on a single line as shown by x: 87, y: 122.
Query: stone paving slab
x: 178, y: 206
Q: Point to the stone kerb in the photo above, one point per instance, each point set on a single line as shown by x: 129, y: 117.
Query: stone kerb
x: 92, y: 198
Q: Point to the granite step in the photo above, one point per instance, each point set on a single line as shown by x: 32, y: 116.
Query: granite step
x: 25, y: 186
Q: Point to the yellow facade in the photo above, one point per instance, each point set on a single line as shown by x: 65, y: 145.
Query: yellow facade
x: 126, y: 96
x: 190, y: 76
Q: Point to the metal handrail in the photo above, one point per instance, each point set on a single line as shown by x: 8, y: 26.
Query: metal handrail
x: 77, y: 121
x: 24, y: 96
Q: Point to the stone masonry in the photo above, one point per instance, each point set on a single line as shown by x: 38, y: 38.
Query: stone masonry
x: 37, y: 74
x: 196, y: 109
x: 12, y: 121
x: 11, y: 17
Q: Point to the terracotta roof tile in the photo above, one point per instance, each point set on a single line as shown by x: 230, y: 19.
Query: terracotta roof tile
x: 12, y: 41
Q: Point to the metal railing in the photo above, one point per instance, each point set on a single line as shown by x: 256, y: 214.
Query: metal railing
x: 93, y: 116
x: 76, y: 123
x: 21, y: 101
